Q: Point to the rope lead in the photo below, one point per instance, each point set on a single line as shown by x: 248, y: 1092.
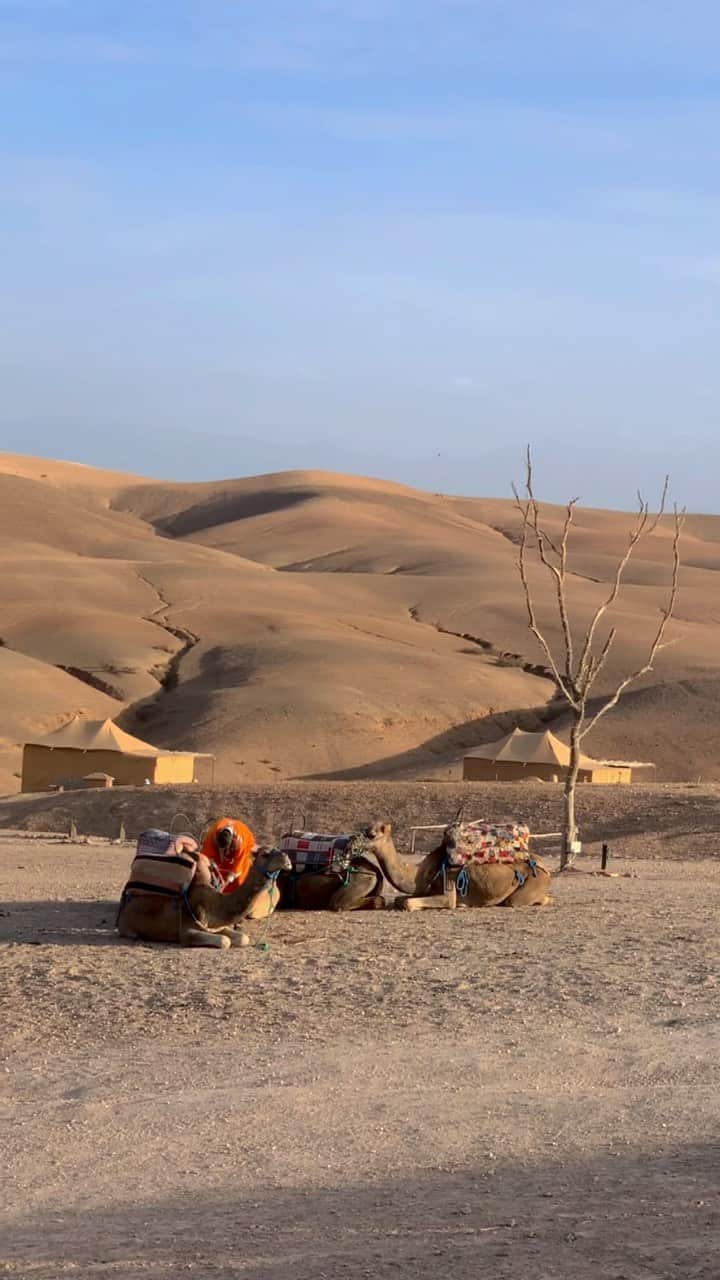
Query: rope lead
x: 271, y: 877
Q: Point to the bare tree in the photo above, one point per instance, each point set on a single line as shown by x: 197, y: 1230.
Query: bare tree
x: 577, y: 662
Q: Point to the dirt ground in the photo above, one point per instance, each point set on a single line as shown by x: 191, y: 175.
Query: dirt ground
x: 530, y: 1095
x: 664, y: 821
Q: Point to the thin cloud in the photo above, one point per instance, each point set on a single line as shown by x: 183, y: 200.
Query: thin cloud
x: 355, y: 37
x: 704, y: 268
x: 555, y: 128
x: 71, y: 50
x: 465, y: 384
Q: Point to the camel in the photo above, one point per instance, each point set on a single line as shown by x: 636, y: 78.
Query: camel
x: 201, y: 917
x: 360, y: 889
x: 432, y: 884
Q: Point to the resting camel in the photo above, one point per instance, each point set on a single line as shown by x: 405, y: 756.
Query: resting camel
x: 201, y: 917
x: 360, y: 889
x: 430, y: 883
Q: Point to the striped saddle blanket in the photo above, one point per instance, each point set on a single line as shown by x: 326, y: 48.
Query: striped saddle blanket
x: 487, y: 842
x: 320, y: 854
x: 163, y: 864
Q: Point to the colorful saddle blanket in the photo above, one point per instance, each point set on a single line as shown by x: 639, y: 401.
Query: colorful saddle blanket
x: 485, y: 842
x: 319, y: 854
x: 163, y: 863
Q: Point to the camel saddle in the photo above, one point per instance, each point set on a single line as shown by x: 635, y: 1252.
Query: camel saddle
x: 490, y: 842
x: 163, y: 864
x: 316, y: 854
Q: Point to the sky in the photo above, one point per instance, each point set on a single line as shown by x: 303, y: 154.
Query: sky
x: 393, y: 237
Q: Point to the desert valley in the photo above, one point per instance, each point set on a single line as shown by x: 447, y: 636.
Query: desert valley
x: 311, y: 625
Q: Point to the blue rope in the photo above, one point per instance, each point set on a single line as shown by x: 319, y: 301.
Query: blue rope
x: 462, y: 883
x: 271, y: 877
x: 191, y: 913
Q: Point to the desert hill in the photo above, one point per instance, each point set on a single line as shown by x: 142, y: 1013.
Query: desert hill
x: 310, y: 624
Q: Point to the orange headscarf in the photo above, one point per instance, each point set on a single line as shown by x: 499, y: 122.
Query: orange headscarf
x: 233, y: 867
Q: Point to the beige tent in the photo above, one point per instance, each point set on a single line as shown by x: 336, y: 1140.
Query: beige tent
x: 84, y: 747
x: 522, y: 755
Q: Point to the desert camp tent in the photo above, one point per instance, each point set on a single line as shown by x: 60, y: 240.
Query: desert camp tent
x: 84, y: 747
x: 521, y: 755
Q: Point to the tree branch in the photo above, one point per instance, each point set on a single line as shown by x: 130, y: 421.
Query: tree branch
x: 565, y: 683
x: 658, y: 643
x: 558, y: 571
x: 644, y: 526
x: 596, y: 665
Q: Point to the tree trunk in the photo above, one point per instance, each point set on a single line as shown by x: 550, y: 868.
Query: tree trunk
x: 570, y: 830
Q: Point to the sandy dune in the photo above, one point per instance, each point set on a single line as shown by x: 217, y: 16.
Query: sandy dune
x: 317, y: 622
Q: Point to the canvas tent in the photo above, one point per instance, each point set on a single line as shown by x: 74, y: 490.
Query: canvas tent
x: 83, y: 747
x: 521, y: 755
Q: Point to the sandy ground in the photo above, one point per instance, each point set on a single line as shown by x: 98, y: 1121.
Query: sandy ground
x: 531, y: 1095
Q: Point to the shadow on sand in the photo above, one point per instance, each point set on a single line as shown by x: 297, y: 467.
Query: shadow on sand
x: 627, y: 1216
x: 76, y: 924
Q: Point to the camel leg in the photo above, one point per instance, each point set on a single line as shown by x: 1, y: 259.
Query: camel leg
x: 204, y: 938
x: 533, y: 893
x: 547, y: 901
x: 375, y: 902
x: 446, y: 901
x: 236, y: 936
x: 346, y: 899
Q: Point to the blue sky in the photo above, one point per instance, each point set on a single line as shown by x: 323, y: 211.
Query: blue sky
x: 372, y: 235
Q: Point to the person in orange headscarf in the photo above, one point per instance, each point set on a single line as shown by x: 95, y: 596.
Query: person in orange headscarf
x: 230, y: 845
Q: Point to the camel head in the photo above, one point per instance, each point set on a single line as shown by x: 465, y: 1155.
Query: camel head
x: 361, y: 844
x: 373, y: 838
x: 378, y: 832
x: 452, y: 834
x: 270, y: 862
x: 451, y: 837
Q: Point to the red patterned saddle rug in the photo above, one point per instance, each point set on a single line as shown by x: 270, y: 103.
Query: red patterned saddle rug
x: 486, y: 842
x: 319, y: 854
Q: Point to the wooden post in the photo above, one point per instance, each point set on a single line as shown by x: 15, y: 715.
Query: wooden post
x: 73, y: 829
x: 605, y: 856
x: 122, y: 837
